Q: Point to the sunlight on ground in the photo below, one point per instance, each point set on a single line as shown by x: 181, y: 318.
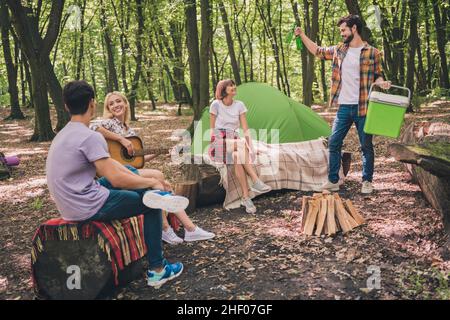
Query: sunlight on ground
x: 30, y: 189
x: 382, y: 160
x: 23, y: 151
x: 287, y: 226
x: 14, y: 129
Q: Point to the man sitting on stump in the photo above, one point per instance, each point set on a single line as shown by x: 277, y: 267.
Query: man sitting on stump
x: 77, y: 154
x: 356, y: 66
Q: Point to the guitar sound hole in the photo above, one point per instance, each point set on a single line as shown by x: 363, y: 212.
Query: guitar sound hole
x: 125, y: 154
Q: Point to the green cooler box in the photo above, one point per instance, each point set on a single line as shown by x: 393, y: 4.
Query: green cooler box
x: 386, y: 112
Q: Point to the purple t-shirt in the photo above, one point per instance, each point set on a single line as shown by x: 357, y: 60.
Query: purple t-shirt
x: 71, y: 171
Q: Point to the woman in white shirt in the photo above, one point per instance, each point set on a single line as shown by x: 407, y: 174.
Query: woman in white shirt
x: 227, y: 116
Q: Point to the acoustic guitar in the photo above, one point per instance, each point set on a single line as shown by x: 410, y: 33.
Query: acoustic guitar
x: 118, y: 152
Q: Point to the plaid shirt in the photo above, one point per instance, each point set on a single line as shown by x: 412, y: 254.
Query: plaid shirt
x: 370, y: 70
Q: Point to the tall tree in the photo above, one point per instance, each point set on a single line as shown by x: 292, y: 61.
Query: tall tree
x: 37, y: 50
x: 137, y: 72
x: 413, y: 43
x: 11, y: 68
x: 311, y: 27
x: 205, y: 51
x: 198, y: 55
x: 78, y: 73
x: 113, y: 83
x: 266, y: 16
x: 440, y: 22
x: 230, y: 44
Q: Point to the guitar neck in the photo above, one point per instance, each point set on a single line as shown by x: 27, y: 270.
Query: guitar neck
x: 144, y: 152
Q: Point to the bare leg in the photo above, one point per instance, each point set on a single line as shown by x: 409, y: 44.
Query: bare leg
x: 244, y: 158
x: 165, y: 223
x: 241, y: 176
x: 185, y: 221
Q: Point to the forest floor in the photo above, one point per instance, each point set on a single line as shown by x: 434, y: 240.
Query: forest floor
x: 261, y: 256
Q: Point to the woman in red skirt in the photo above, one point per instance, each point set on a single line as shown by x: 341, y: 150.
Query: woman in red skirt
x: 227, y: 116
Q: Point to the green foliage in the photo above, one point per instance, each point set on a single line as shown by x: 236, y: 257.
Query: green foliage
x: 37, y: 204
x: 253, y: 43
x: 430, y: 284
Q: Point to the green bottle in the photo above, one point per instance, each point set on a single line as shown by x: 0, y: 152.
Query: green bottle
x: 299, y: 43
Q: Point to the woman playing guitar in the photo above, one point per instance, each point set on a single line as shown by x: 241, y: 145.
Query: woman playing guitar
x: 115, y: 127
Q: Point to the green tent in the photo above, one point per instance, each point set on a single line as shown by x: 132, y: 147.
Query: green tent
x: 268, y: 108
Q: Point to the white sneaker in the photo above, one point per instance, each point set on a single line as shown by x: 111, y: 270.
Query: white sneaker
x: 249, y: 206
x: 171, y: 237
x: 367, y: 187
x: 164, y: 200
x: 260, y: 187
x: 328, y: 186
x: 197, y: 235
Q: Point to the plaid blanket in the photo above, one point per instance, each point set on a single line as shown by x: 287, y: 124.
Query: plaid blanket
x: 121, y: 240
x: 298, y: 166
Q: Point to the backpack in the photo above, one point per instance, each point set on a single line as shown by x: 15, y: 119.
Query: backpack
x: 5, y: 171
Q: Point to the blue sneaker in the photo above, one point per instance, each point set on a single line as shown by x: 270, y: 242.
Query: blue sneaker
x: 171, y: 271
x: 165, y: 200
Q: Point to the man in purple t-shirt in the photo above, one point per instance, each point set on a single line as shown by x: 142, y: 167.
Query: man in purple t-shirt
x: 77, y: 154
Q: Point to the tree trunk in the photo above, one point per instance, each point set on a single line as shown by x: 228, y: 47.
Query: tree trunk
x: 176, y: 29
x: 147, y: 76
x: 230, y: 44
x: 271, y: 33
x: 283, y: 58
x: 55, y: 90
x: 81, y: 48
x: 237, y: 31
x: 313, y: 31
x: 194, y: 55
x: 42, y: 124
x: 428, y: 42
x: 23, y: 81
x: 421, y: 75
x: 26, y: 66
x: 413, y: 43
x: 113, y: 84
x: 37, y: 51
x: 205, y: 51
x: 430, y: 169
x: 137, y: 73
x: 92, y: 71
x: 441, y: 43
x: 11, y: 68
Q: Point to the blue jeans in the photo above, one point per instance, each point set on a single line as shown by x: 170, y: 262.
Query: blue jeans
x: 123, y: 204
x: 345, y: 117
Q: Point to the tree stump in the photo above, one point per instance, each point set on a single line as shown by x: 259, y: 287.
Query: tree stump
x: 425, y: 150
x: 75, y: 260
x: 209, y: 191
x: 188, y: 189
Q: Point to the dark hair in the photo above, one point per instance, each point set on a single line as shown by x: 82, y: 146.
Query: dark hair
x: 77, y: 95
x: 221, y: 89
x: 352, y: 20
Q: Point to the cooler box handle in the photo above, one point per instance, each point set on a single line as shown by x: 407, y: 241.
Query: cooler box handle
x: 392, y: 86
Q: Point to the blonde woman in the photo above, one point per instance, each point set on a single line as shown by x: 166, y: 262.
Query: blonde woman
x: 115, y: 126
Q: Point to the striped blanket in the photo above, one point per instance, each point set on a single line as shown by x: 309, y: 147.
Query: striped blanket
x: 121, y: 240
x: 298, y: 166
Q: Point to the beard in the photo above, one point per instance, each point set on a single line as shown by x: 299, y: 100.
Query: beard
x: 349, y: 39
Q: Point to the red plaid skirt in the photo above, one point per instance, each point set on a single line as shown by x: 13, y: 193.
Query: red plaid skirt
x: 218, y: 147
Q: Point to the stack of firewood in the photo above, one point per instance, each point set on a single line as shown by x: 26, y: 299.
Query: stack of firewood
x: 326, y: 213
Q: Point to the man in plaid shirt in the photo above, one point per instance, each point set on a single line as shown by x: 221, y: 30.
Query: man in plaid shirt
x: 356, y: 66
